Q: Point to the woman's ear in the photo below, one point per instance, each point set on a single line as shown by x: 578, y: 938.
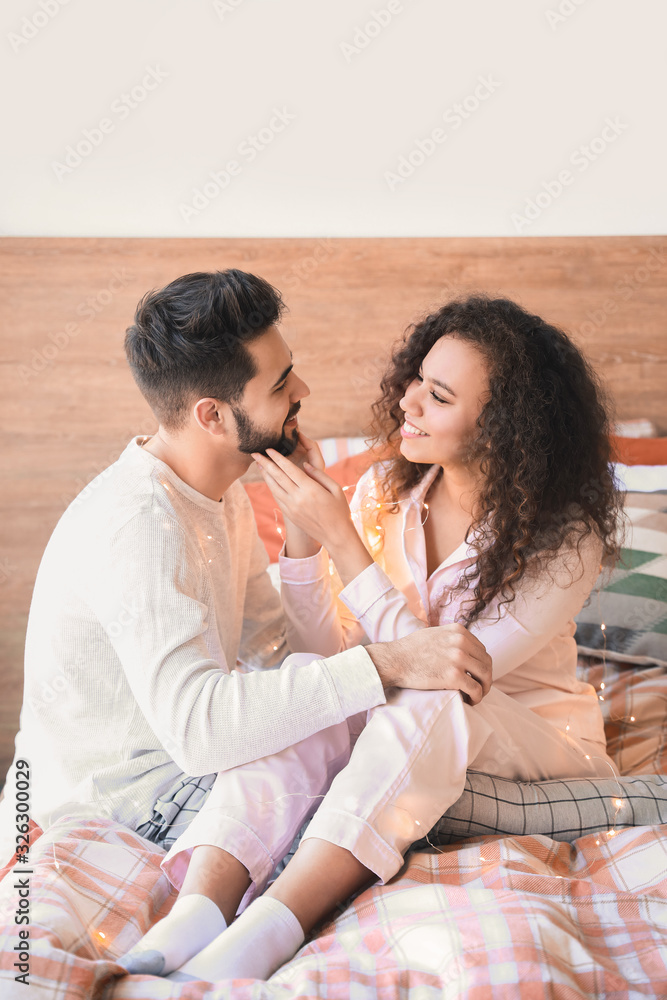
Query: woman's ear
x: 214, y: 416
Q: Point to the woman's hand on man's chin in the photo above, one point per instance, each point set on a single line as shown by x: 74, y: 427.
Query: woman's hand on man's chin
x: 308, y: 498
x: 307, y: 452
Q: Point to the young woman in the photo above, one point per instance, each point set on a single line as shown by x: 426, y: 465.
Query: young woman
x: 492, y: 514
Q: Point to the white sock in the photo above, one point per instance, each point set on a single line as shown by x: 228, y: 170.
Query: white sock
x: 264, y: 937
x: 193, y: 922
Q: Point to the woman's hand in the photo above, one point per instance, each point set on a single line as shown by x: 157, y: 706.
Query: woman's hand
x: 307, y: 452
x: 316, y: 504
x: 307, y: 497
x: 298, y: 544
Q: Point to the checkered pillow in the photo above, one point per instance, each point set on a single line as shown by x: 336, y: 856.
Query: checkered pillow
x: 632, y: 602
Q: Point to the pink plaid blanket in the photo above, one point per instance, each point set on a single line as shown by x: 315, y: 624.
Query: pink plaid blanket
x: 511, y: 917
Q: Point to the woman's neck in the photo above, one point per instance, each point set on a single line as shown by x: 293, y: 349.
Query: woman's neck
x: 455, y: 488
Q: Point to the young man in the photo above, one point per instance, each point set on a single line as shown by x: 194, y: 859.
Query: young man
x: 153, y: 618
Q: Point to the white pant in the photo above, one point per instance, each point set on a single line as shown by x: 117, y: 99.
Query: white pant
x: 377, y: 795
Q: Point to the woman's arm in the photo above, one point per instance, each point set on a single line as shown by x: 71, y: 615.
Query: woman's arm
x: 314, y: 504
x: 371, y: 605
x: 298, y: 543
x: 544, y: 606
x: 316, y: 621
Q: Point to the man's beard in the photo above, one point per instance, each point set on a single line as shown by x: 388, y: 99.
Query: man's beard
x: 254, y: 439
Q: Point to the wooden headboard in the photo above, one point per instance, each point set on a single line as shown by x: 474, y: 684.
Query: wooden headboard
x: 71, y: 405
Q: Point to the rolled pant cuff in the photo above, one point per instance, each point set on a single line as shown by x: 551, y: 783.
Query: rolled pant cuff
x: 358, y: 837
x: 230, y: 835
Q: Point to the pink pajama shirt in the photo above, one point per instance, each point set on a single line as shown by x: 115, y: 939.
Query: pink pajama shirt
x: 379, y: 781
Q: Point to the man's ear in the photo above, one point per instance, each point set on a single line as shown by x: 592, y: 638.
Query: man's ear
x: 214, y: 416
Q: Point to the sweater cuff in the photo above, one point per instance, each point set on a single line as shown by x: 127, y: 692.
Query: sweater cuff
x: 356, y: 680
x: 301, y: 571
x: 365, y: 590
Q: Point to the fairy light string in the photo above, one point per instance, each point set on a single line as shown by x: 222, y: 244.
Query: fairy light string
x: 617, y: 801
x: 372, y: 504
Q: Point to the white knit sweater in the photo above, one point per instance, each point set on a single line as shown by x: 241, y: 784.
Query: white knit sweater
x: 152, y: 623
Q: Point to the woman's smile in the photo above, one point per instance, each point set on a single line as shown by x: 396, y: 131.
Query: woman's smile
x: 408, y: 430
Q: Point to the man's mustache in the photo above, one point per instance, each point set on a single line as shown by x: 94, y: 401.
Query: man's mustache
x: 293, y: 410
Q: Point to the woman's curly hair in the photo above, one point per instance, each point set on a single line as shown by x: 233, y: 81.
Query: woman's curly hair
x: 542, y: 445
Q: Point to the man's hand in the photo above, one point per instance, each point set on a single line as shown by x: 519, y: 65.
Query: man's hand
x: 444, y: 657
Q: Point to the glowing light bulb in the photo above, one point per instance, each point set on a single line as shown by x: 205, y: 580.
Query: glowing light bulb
x: 602, y: 685
x: 603, y: 626
x: 632, y: 718
x: 275, y: 647
x: 587, y: 757
x: 100, y: 934
x: 567, y: 729
x: 618, y: 803
x: 601, y: 697
x: 425, y: 506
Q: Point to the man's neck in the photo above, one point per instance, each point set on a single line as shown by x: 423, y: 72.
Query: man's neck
x: 207, y: 473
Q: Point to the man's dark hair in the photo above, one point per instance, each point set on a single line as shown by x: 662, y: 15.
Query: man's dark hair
x: 189, y: 340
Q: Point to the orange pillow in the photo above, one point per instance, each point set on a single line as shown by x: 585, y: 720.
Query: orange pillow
x: 347, y: 472
x: 640, y: 451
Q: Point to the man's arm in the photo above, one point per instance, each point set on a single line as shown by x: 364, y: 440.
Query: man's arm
x: 148, y: 593
x: 209, y: 717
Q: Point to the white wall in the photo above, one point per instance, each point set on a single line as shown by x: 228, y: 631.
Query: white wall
x: 557, y: 71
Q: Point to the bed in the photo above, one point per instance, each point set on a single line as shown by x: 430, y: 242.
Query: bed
x: 552, y: 889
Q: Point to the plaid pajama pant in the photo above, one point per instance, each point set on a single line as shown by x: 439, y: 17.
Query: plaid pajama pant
x: 174, y: 811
